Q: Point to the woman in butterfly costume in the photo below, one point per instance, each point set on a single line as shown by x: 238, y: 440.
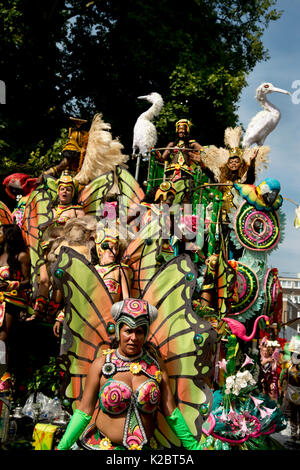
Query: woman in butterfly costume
x: 185, y: 345
x: 130, y: 384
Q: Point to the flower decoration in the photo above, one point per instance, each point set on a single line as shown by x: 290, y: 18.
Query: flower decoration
x: 135, y: 368
x: 238, y: 383
x: 222, y: 364
x: 107, y: 351
x: 158, y: 376
x: 105, y: 443
x: 135, y: 447
x: 247, y: 361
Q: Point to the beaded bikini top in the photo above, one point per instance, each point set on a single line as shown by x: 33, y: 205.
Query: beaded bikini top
x: 116, y: 396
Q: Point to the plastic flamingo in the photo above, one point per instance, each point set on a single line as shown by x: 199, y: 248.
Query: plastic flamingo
x: 239, y: 329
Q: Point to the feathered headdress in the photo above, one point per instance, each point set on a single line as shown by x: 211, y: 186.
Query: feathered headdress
x: 215, y: 158
x: 103, y: 153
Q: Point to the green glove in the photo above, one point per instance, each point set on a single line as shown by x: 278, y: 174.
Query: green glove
x: 76, y: 426
x: 178, y: 425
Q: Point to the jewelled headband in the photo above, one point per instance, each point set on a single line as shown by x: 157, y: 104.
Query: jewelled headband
x: 134, y: 313
x: 184, y: 122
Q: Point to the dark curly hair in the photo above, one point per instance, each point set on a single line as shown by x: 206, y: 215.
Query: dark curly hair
x: 14, y: 245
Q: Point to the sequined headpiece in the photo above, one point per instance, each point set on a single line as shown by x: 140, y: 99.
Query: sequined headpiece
x: 66, y: 180
x: 236, y: 152
x: 134, y: 313
x: 163, y: 190
x: 184, y: 122
x: 105, y: 236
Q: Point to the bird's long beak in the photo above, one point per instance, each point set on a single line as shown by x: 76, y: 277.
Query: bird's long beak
x: 142, y: 97
x: 270, y: 197
x: 280, y: 90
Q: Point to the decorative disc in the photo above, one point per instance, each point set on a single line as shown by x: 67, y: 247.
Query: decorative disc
x: 256, y: 230
x: 247, y: 287
x: 272, y: 289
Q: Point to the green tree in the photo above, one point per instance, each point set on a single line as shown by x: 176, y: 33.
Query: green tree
x: 197, y: 54
x: 30, y: 66
x: 80, y: 57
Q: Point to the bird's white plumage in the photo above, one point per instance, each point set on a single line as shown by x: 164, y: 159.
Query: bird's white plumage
x: 264, y: 122
x: 144, y: 132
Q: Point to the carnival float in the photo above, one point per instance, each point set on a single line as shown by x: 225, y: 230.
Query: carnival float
x: 181, y: 257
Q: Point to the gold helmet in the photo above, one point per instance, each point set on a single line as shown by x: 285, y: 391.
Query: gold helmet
x: 66, y: 180
x: 184, y: 122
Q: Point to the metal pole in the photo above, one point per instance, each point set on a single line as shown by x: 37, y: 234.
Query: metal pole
x: 137, y: 168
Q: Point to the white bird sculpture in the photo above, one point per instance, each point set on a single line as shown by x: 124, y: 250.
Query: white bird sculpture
x: 264, y: 122
x: 144, y: 132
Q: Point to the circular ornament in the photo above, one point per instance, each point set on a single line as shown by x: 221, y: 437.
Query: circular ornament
x: 189, y: 276
x: 59, y: 273
x: 110, y: 328
x: 109, y: 369
x: 247, y: 287
x: 198, y: 339
x: 272, y: 290
x: 256, y: 230
x: 204, y: 409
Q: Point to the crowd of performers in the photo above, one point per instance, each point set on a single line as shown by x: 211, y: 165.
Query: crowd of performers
x: 167, y: 311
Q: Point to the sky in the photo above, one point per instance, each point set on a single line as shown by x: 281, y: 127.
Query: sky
x: 282, y: 39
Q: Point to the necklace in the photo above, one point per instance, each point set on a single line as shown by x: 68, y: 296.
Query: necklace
x: 128, y: 359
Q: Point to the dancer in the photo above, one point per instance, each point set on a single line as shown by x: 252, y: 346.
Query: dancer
x: 183, y: 163
x: 14, y: 277
x: 131, y: 384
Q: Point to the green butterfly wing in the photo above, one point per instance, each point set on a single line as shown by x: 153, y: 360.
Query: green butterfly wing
x: 92, y: 196
x: 38, y: 215
x: 142, y: 255
x: 5, y: 214
x: 184, y: 341
x: 130, y: 190
x: 87, y: 317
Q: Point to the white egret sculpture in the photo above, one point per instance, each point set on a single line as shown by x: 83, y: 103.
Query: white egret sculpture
x: 144, y: 132
x: 264, y: 122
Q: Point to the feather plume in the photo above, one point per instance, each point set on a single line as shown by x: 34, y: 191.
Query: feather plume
x: 261, y: 159
x: 214, y: 158
x: 103, y: 153
x: 232, y: 137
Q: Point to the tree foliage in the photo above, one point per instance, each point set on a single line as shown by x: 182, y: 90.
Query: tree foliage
x: 80, y: 57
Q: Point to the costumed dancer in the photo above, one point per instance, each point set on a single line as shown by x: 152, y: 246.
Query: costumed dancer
x: 73, y: 151
x: 78, y: 233
x: 290, y: 382
x: 14, y: 279
x: 269, y: 376
x: 153, y: 216
x: 233, y: 164
x: 116, y: 275
x: 131, y: 384
x: 183, y: 163
x: 65, y: 208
